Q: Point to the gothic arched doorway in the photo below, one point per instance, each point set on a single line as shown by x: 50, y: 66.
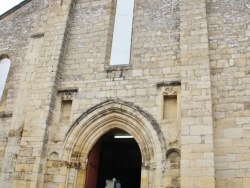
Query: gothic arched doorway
x: 115, y: 155
x: 95, y: 124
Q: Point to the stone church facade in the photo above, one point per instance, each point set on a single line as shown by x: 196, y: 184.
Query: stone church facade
x: 184, y: 96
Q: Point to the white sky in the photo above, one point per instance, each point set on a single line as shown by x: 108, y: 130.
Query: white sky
x: 5, y: 5
x: 4, y: 70
x: 121, y: 44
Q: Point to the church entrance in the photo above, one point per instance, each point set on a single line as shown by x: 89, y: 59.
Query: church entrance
x: 115, y: 155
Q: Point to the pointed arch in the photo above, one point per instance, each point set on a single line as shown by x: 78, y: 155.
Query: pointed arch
x: 120, y: 112
x: 111, y: 114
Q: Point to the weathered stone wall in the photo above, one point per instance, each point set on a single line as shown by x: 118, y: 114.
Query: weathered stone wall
x: 197, y: 159
x: 191, y: 54
x: 229, y: 41
x: 16, y: 31
x: 154, y: 55
x: 154, y: 58
x: 4, y: 130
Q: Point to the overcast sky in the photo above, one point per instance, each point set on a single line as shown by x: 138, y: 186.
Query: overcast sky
x: 8, y: 4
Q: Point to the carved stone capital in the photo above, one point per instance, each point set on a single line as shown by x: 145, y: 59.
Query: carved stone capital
x: 68, y: 95
x: 171, y: 90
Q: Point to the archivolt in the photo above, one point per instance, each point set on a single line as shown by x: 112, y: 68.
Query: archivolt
x: 98, y: 120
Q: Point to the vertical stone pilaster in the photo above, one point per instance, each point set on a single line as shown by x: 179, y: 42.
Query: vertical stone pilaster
x: 197, y: 164
x: 42, y: 89
x: 17, y: 123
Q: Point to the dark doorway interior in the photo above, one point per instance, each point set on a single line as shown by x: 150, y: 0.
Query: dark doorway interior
x: 118, y: 158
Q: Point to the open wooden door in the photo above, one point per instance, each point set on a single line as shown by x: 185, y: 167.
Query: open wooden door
x: 92, y: 166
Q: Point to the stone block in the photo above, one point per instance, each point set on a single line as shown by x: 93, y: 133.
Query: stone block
x: 204, y: 182
x: 233, y: 133
x: 246, y: 182
x: 201, y: 130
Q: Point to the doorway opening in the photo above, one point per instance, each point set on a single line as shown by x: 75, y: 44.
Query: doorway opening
x: 115, y: 155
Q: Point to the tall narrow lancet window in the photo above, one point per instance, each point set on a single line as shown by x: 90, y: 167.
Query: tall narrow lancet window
x: 4, y: 70
x: 121, y: 43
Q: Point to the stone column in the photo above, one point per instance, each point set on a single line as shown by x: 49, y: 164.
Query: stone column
x: 31, y: 162
x: 197, y: 150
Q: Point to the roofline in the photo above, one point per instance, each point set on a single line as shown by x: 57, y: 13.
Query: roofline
x: 14, y: 8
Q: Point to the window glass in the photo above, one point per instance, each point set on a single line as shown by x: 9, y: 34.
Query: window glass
x: 121, y: 44
x: 4, y: 70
